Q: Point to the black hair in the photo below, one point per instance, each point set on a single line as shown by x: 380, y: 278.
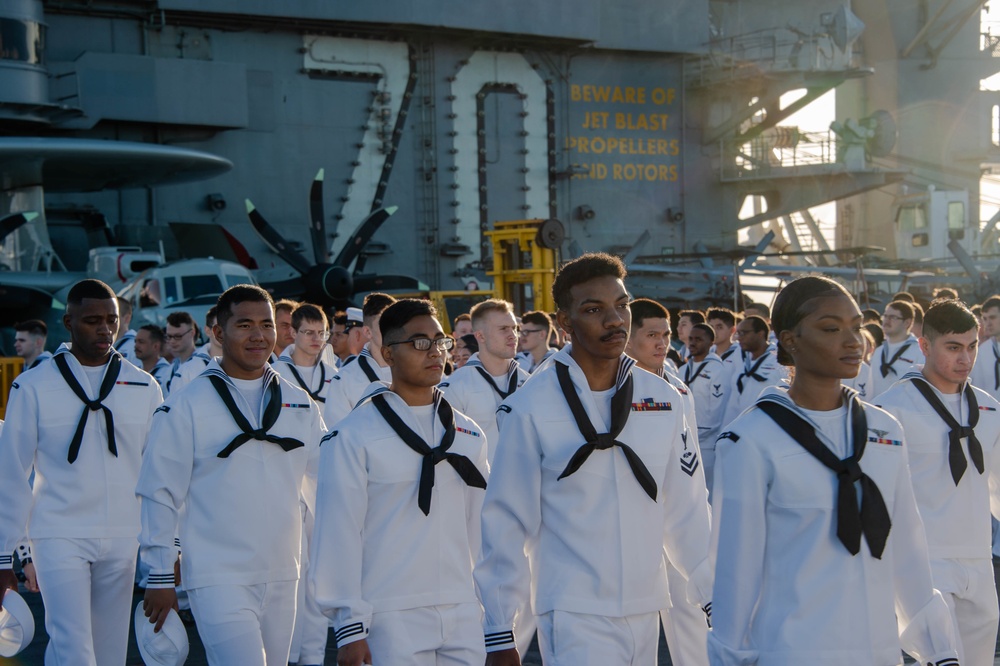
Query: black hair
x: 991, y: 302
x: 339, y: 318
x: 707, y: 329
x: 794, y: 303
x: 400, y: 313
x: 155, y: 332
x: 878, y: 335
x: 765, y: 312
x: 903, y: 296
x: 178, y: 319
x: 32, y: 326
x: 945, y: 293
x: 307, y: 312
x: 212, y: 316
x: 241, y: 293
x: 727, y: 317
x: 375, y: 304
x: 588, y: 267
x: 871, y: 315
x: 538, y: 318
x: 89, y: 288
x: 758, y: 324
x: 470, y: 342
x: 948, y: 316
x: 646, y: 308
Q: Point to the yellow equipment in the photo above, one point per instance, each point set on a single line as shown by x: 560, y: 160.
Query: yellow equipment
x: 9, y: 369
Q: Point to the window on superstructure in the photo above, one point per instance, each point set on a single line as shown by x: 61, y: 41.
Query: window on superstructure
x: 22, y: 41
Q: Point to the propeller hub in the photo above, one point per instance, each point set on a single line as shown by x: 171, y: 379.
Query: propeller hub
x: 329, y: 282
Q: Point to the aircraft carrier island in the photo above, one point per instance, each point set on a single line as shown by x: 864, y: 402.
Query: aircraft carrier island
x: 655, y: 130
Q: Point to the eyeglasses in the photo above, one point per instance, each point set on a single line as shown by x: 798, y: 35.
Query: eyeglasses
x: 526, y: 331
x: 424, y: 344
x: 892, y: 317
x: 177, y: 336
x: 322, y: 335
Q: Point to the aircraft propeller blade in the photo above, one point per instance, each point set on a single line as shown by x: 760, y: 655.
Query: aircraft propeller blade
x: 12, y: 223
x: 317, y: 227
x: 362, y: 235
x: 275, y: 241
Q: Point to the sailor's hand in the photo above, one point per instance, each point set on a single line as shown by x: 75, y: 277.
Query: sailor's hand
x: 8, y: 581
x: 30, y: 577
x: 354, y: 654
x: 503, y: 658
x: 157, y: 605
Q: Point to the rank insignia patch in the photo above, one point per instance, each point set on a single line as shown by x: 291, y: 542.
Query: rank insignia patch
x: 689, y: 462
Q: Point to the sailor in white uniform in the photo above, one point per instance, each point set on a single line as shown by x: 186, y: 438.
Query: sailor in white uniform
x: 986, y: 373
x: 125, y: 342
x: 863, y: 382
x: 401, y: 491
x: 79, y: 421
x: 229, y: 460
x: 820, y: 553
x: 900, y: 353
x: 705, y: 375
x: 533, y: 340
x: 29, y: 342
x: 723, y: 322
x: 759, y: 370
x: 580, y: 518
x: 684, y: 625
x: 181, y: 332
x: 302, y: 365
x: 148, y: 344
x: 491, y: 375
x: 201, y: 357
x: 952, y: 434
x: 355, y: 376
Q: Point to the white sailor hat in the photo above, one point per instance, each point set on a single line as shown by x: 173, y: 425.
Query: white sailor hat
x: 17, y: 625
x: 355, y: 315
x: 169, y: 647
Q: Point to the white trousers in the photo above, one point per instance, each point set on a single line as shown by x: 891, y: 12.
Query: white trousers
x: 969, y: 590
x: 684, y: 625
x: 249, y: 625
x: 86, y: 586
x: 449, y: 635
x: 311, y: 626
x: 576, y: 639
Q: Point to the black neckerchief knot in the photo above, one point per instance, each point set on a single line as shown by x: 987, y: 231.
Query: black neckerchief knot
x: 247, y: 433
x: 464, y: 467
x: 621, y: 407
x: 873, y: 518
x: 752, y: 372
x: 305, y: 387
x: 886, y: 367
x: 956, y: 457
x: 108, y: 383
x: 511, y: 381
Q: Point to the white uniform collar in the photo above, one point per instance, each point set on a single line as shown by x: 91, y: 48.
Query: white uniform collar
x: 474, y: 361
x: 625, y: 364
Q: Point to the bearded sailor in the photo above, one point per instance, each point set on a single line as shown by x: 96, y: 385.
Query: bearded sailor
x: 596, y: 473
x: 229, y: 460
x: 401, y: 491
x: 79, y: 421
x: 952, y: 432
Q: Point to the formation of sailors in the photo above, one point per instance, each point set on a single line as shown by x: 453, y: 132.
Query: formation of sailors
x: 785, y: 488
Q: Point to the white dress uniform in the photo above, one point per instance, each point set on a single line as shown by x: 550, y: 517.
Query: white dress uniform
x: 351, y: 383
x: 589, y: 546
x: 81, y: 516
x: 472, y: 391
x: 684, y: 625
x: 891, y: 361
x: 161, y: 373
x: 956, y: 515
x: 235, y: 491
x: 986, y: 373
x: 126, y: 347
x: 399, y: 534
x: 527, y: 359
x: 182, y: 375
x: 862, y: 383
x: 788, y: 592
x: 42, y: 358
x: 749, y: 380
x: 311, y: 626
x: 709, y: 385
